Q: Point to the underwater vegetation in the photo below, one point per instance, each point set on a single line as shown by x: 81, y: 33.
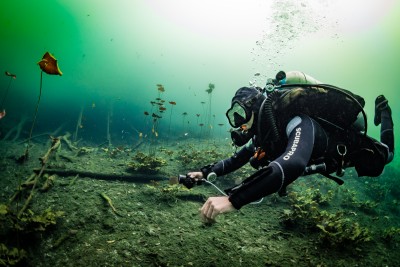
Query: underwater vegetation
x: 2, y: 109
x: 334, y: 228
x: 165, y: 193
x: 146, y: 163
x: 159, y: 106
x: 312, y: 209
x: 209, y: 91
x: 21, y: 221
x: 157, y: 111
x: 26, y: 226
x: 49, y: 65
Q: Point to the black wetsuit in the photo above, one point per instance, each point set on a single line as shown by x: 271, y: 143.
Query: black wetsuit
x: 306, y: 142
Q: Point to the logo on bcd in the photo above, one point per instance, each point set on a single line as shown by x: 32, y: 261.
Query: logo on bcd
x: 294, y: 145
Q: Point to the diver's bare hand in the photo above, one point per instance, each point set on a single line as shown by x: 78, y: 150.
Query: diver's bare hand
x: 195, y: 175
x: 215, y: 206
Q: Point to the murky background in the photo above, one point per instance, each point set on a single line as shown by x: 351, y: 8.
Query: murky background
x: 113, y: 54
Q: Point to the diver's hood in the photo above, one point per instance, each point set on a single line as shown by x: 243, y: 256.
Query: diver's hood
x: 246, y: 101
x: 250, y: 98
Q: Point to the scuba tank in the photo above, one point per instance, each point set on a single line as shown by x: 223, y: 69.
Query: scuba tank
x: 295, y: 91
x: 296, y: 77
x: 288, y: 78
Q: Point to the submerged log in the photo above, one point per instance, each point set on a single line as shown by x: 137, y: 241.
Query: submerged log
x: 140, y: 178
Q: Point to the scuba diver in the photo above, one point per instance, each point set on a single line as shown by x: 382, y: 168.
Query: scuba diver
x: 289, y: 129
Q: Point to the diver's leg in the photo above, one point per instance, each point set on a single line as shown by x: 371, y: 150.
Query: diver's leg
x: 383, y: 116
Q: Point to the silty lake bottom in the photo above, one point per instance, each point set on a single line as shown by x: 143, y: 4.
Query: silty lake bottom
x: 96, y: 204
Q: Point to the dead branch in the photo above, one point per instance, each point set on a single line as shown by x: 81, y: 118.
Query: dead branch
x: 66, y: 140
x: 54, y: 146
x: 17, y: 129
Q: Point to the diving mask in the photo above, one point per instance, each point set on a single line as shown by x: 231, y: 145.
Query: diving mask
x: 243, y: 134
x: 238, y: 115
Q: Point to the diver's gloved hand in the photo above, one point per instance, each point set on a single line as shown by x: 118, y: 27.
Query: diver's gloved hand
x: 381, y: 103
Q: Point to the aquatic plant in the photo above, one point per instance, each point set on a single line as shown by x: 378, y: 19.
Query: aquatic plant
x: 145, y: 124
x: 391, y: 234
x: 166, y: 193
x: 78, y: 124
x: 201, y: 129
x: 146, y: 163
x: 109, y: 118
x: 220, y: 127
x: 26, y: 224
x: 334, y: 228
x: 156, y: 116
x: 184, y: 114
x: 49, y: 65
x: 191, y: 157
x: 349, y: 199
x: 12, y: 77
x: 209, y: 91
x: 172, y: 103
x: 339, y: 231
x: 10, y: 256
x: 202, y: 105
x: 197, y: 119
x: 160, y: 89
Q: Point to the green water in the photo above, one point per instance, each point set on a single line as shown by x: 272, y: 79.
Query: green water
x: 113, y: 54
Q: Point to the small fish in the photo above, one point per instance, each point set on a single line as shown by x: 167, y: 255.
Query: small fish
x: 2, y: 114
x: 162, y: 108
x: 257, y: 74
x: 201, y: 124
x: 186, y: 134
x: 184, y: 113
x: 146, y: 113
x: 172, y: 103
x: 11, y: 75
x: 198, y: 115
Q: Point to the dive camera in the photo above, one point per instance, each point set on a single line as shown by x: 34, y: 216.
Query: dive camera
x: 187, y: 181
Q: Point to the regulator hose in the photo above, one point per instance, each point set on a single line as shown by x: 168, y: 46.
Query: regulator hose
x: 268, y: 114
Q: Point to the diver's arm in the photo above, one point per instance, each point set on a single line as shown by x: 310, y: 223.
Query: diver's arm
x: 230, y: 164
x: 281, y: 172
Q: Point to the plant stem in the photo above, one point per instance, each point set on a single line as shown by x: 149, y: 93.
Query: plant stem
x: 6, y: 93
x: 34, y: 118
